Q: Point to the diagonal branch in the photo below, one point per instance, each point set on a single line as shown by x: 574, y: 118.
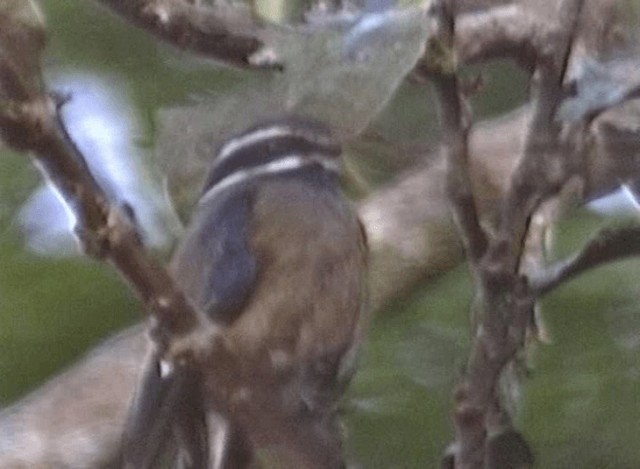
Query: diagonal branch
x: 221, y: 34
x: 30, y: 123
x: 609, y: 245
x: 34, y: 126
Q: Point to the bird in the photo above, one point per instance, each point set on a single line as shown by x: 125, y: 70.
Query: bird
x: 276, y: 256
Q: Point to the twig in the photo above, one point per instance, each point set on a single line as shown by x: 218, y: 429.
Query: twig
x: 440, y: 67
x: 609, y: 245
x: 223, y: 35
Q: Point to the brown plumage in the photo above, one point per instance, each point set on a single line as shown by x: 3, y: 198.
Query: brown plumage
x: 278, y: 256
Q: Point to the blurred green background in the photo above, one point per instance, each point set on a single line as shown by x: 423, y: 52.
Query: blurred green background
x: 581, y: 403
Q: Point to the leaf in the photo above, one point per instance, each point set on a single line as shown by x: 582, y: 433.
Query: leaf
x: 341, y: 74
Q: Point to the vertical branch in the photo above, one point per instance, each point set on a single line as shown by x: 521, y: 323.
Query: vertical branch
x: 504, y: 305
x: 441, y: 69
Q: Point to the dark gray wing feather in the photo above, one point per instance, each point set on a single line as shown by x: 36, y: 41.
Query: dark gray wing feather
x: 216, y: 269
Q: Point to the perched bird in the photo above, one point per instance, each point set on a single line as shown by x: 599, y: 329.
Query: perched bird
x: 276, y: 254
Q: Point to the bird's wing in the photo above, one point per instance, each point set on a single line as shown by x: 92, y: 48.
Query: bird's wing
x: 166, y: 410
x: 217, y: 272
x: 228, y: 269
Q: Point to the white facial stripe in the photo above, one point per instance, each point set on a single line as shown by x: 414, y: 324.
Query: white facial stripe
x: 251, y: 138
x: 262, y: 134
x: 283, y: 165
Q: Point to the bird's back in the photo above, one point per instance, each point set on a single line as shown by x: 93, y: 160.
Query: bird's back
x: 276, y: 255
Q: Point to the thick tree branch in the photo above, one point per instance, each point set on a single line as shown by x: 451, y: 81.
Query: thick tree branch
x: 221, y: 34
x: 525, y: 30
x: 410, y: 233
x: 408, y: 224
x: 504, y: 31
x: 78, y: 417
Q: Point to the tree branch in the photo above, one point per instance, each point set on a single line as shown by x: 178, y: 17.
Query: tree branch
x: 34, y: 126
x: 544, y: 166
x: 504, y: 31
x: 78, y: 416
x: 470, y: 447
x: 221, y: 34
x: 30, y: 123
x: 523, y: 31
x: 441, y: 68
x: 504, y: 304
x: 609, y: 245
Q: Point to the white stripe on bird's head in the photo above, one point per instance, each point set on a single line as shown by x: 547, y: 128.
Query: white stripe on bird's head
x: 262, y: 134
x: 279, y: 166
